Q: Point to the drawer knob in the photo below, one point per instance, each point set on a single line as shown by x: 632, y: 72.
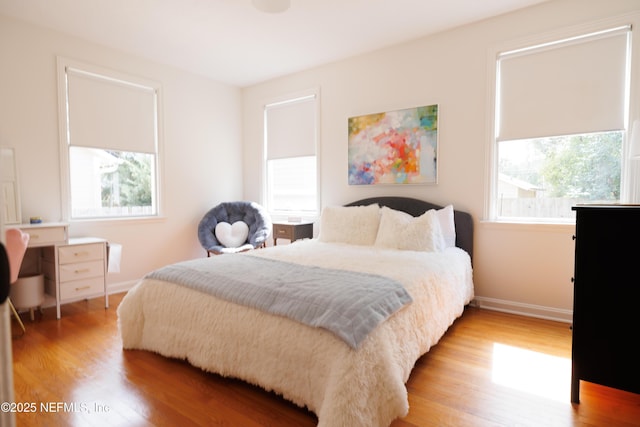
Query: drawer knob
x: 83, y: 253
x: 82, y: 288
x: 82, y: 270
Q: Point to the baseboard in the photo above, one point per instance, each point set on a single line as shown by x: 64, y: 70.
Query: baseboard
x: 113, y: 288
x: 522, y: 309
x: 116, y: 288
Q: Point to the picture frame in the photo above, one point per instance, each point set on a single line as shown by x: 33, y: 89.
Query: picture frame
x: 394, y: 147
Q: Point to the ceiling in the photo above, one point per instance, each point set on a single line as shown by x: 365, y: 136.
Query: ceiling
x: 232, y: 42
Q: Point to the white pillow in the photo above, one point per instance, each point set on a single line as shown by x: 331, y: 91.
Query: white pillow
x: 232, y: 235
x: 447, y: 225
x: 399, y: 230
x: 356, y: 225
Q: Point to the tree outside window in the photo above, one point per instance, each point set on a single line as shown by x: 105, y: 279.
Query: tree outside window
x: 544, y: 177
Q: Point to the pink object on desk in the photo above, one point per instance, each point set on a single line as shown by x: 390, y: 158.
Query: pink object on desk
x: 16, y: 244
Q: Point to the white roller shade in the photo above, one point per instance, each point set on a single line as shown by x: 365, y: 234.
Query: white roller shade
x: 577, y: 86
x: 291, y: 129
x: 110, y: 114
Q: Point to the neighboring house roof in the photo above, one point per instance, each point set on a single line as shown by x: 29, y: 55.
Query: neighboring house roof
x: 519, y: 183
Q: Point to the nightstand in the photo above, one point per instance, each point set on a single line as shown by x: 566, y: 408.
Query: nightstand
x: 292, y: 231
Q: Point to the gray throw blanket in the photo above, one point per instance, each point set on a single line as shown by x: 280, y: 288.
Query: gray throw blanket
x: 349, y: 304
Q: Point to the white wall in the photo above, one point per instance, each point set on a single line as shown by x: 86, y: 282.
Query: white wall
x: 525, y: 268
x: 202, y: 144
x: 521, y: 268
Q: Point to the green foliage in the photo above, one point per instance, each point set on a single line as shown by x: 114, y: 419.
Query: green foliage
x: 586, y: 167
x: 130, y: 184
x: 583, y: 166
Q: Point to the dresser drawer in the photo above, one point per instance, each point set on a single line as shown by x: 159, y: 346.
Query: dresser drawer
x: 81, y: 270
x: 283, y: 231
x: 81, y: 288
x: 80, y: 253
x: 42, y: 236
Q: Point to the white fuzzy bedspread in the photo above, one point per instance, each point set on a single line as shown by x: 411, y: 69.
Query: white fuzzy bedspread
x: 309, y: 366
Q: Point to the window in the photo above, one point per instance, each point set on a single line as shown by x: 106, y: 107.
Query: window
x: 561, y: 119
x: 545, y: 177
x: 291, y: 163
x: 109, y: 150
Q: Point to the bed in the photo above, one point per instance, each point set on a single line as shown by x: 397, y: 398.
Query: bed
x: 357, y: 382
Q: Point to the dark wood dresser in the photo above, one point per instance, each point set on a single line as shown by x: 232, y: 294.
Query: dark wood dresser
x: 606, y: 301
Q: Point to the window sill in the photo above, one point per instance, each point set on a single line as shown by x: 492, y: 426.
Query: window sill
x: 557, y: 227
x: 276, y: 217
x: 120, y: 220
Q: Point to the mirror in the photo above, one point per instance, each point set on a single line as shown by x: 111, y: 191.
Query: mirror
x: 9, y: 192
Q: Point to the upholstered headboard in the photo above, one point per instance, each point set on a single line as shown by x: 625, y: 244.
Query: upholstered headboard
x: 415, y: 207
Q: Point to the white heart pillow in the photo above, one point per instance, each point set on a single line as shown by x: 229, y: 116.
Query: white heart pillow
x: 232, y: 235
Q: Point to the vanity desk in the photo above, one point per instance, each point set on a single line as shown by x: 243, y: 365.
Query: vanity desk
x: 45, y: 233
x: 73, y: 268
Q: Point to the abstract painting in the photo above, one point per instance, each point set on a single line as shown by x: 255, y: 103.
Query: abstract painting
x: 396, y: 147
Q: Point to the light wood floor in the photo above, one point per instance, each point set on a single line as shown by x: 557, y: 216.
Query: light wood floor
x: 490, y: 369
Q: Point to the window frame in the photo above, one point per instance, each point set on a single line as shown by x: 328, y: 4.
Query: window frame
x: 63, y: 64
x: 313, y: 93
x: 629, y: 193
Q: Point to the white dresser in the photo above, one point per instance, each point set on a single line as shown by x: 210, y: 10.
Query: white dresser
x: 74, y: 268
